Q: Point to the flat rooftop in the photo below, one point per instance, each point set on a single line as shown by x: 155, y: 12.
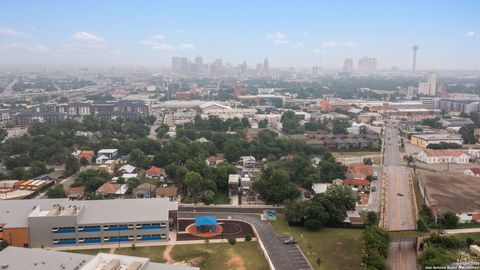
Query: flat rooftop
x: 438, y: 136
x: 451, y: 192
x: 15, y: 258
x: 15, y: 213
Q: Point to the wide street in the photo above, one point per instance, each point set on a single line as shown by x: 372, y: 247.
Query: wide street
x: 399, y: 214
x: 399, y: 209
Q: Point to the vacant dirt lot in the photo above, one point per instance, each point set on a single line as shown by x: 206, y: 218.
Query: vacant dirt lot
x: 454, y: 192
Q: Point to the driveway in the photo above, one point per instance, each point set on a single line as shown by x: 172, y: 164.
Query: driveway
x: 283, y: 257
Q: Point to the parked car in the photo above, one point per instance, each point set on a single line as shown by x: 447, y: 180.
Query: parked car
x: 374, y: 189
x: 290, y: 241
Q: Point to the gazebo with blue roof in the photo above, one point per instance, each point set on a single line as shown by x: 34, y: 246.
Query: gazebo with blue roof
x: 206, y: 223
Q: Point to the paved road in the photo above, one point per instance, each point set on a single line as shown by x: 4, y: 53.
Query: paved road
x: 400, y: 210
x: 283, y: 257
x: 402, y: 255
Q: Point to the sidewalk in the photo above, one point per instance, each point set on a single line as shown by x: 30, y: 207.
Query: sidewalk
x: 459, y: 231
x: 139, y: 244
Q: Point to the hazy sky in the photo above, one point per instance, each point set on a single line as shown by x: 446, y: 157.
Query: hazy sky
x: 289, y: 33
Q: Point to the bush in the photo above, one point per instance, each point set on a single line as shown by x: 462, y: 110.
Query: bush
x: 312, y: 225
x: 372, y: 218
x: 3, y: 245
x: 248, y: 238
x: 232, y: 241
x: 469, y: 241
x: 421, y: 225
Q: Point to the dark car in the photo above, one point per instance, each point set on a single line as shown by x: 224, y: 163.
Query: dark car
x: 400, y: 194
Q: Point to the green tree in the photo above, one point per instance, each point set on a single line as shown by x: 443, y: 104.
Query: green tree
x: 467, y: 133
x: 208, y: 197
x: 232, y: 241
x: 83, y: 161
x: 56, y: 191
x: 340, y: 126
x: 448, y: 220
x: 38, y: 168
x: 263, y: 123
x: 71, y: 165
x: 3, y: 134
x: 138, y: 158
x: 290, y: 123
x: 372, y: 218
x: 342, y: 196
x: 422, y: 225
x: 274, y: 186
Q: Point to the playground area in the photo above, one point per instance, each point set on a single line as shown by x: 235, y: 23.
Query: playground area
x: 198, y: 229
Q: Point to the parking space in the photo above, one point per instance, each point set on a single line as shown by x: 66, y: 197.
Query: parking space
x: 296, y: 256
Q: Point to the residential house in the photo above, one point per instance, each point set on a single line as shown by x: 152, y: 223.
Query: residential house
x: 214, y: 160
x: 75, y: 193
x: 443, y: 156
x: 110, y: 153
x: 87, y: 154
x: 233, y: 184
x: 127, y: 168
x: 320, y: 188
x: 111, y: 190
x: 357, y: 183
x: 154, y: 172
x: 167, y: 192
x: 248, y: 161
x: 359, y: 171
x: 472, y: 172
x: 145, y: 190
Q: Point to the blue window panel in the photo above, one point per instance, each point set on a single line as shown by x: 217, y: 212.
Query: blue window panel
x: 92, y: 241
x: 150, y: 238
x: 97, y: 229
x: 65, y: 231
x: 121, y: 239
x: 151, y: 227
x: 66, y: 242
x: 118, y: 229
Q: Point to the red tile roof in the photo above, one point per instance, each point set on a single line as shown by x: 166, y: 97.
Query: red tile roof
x: 475, y: 170
x: 444, y: 152
x: 166, y: 191
x: 213, y: 159
x: 476, y: 217
x: 360, y: 170
x: 108, y: 188
x: 154, y: 170
x: 356, y: 182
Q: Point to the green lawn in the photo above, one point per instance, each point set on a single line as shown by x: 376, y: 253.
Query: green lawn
x: 336, y: 248
x: 221, y: 197
x: 89, y: 251
x: 242, y: 255
x: 154, y: 253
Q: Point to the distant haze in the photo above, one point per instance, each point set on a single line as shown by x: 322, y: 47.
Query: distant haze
x: 297, y: 34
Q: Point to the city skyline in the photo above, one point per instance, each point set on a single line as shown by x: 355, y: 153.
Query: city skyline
x: 302, y: 36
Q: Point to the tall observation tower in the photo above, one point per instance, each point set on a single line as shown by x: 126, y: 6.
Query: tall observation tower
x: 415, y: 49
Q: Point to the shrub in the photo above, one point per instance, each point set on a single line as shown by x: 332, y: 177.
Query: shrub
x: 232, y: 241
x: 421, y: 225
x: 248, y: 238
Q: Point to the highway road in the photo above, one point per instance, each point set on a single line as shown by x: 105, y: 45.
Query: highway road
x: 400, y: 209
x: 283, y: 257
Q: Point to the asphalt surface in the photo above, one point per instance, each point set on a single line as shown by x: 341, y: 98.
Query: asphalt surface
x: 283, y: 257
x: 402, y: 255
x: 400, y: 210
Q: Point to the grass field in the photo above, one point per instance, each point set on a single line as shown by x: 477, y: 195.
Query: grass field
x: 337, y: 249
x: 154, y: 253
x: 89, y: 251
x: 241, y: 256
x: 221, y: 198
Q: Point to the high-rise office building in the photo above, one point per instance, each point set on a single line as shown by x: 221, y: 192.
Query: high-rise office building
x: 316, y: 71
x: 428, y: 88
x: 367, y: 65
x: 266, y: 65
x: 348, y: 65
x: 179, y: 64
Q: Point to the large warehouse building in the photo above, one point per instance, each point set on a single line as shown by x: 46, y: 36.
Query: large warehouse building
x: 14, y: 258
x: 60, y: 222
